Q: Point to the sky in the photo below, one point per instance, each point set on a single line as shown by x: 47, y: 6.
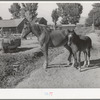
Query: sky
x: 44, y: 10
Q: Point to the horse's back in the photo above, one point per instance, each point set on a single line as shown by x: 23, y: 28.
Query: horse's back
x: 84, y: 37
x: 58, y: 36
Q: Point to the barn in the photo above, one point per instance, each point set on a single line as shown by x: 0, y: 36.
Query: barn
x: 41, y: 20
x: 12, y: 25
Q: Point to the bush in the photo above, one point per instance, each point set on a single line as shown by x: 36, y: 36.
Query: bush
x: 10, y: 43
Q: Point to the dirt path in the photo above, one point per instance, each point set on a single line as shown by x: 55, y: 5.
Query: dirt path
x: 59, y: 75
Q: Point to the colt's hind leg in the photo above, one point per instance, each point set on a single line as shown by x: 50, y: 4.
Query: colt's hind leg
x: 45, y: 65
x: 75, y: 64
x: 85, y: 56
x: 88, y: 58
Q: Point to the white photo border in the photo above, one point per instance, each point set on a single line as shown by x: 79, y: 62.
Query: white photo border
x: 50, y: 93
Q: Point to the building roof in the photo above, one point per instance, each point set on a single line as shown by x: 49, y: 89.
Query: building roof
x: 11, y: 22
x: 39, y: 19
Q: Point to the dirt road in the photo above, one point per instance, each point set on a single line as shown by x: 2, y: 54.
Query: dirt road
x: 59, y: 75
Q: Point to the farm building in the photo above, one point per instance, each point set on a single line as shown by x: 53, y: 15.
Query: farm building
x: 41, y: 20
x: 12, y: 25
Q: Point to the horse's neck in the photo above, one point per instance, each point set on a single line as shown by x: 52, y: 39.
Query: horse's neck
x: 35, y: 30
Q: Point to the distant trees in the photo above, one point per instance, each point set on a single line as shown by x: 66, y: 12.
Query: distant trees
x: 15, y: 10
x: 55, y: 16
x: 70, y: 12
x: 94, y: 16
x: 27, y: 10
x: 1, y: 18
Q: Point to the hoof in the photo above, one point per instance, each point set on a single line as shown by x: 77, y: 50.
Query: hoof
x: 79, y: 69
x: 69, y: 64
x: 72, y: 65
x: 76, y: 65
x: 85, y: 66
x: 46, y: 70
x: 45, y: 65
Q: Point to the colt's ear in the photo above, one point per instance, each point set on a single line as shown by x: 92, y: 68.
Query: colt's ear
x: 68, y: 30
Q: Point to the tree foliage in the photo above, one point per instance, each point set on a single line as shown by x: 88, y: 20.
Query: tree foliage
x: 29, y: 10
x: 1, y: 18
x: 24, y: 10
x: 70, y: 12
x: 94, y: 16
x: 15, y: 10
x: 55, y: 16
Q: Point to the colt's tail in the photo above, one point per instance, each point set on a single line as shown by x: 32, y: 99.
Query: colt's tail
x: 91, y: 46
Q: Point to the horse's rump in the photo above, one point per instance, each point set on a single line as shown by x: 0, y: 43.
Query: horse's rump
x: 86, y: 40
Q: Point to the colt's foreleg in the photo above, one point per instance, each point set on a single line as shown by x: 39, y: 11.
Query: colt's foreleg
x: 75, y: 64
x: 45, y: 65
x: 69, y: 59
x: 85, y: 56
x: 79, y: 60
x: 88, y: 57
x: 70, y: 54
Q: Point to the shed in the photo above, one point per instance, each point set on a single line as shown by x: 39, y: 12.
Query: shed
x: 41, y: 20
x: 12, y: 25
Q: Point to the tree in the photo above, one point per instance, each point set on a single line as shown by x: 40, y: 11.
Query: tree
x: 28, y: 10
x: 15, y: 10
x: 94, y: 16
x: 70, y: 12
x: 55, y: 16
x: 24, y: 10
x: 1, y: 18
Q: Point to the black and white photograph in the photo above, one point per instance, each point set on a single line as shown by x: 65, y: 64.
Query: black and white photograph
x: 49, y: 45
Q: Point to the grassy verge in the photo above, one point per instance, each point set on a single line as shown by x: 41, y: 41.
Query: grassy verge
x: 15, y: 67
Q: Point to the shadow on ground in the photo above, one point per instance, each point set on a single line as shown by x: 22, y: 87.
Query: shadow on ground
x: 22, y: 49
x: 58, y: 65
x: 93, y: 65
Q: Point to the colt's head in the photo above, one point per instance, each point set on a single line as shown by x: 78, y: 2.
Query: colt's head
x: 71, y: 34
